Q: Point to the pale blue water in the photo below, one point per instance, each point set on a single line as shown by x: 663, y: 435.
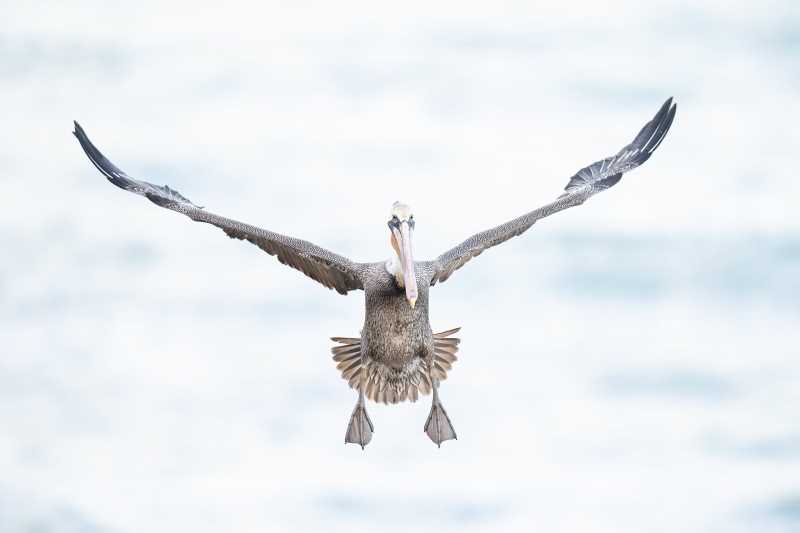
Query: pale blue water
x: 629, y: 365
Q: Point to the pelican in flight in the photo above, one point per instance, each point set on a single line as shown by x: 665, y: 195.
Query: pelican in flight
x: 398, y: 356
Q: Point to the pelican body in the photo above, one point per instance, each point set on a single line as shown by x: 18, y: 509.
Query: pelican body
x: 397, y: 356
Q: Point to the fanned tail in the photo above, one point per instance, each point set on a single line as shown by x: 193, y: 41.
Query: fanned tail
x: 445, y: 348
x: 349, y: 359
x: 385, y: 385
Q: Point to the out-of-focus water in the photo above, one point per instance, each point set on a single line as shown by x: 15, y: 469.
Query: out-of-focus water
x: 629, y: 365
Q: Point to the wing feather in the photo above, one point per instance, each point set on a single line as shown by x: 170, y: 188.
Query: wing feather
x: 582, y: 186
x: 329, y: 269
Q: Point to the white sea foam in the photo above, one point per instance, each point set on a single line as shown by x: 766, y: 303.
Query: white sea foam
x: 629, y: 365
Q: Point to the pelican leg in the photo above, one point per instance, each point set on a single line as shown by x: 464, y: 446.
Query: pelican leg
x: 360, y: 429
x: 438, y: 426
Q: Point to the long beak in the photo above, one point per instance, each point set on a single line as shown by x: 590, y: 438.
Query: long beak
x: 407, y: 261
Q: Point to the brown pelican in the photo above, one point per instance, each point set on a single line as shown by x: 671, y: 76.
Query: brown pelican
x: 398, y: 355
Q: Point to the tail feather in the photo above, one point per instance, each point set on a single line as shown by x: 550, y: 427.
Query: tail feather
x: 381, y: 388
x: 413, y: 394
x: 353, y: 381
x: 442, y: 365
x: 424, y: 383
x: 346, y: 340
x: 348, y: 372
x: 347, y: 356
x: 349, y: 348
x: 447, y: 333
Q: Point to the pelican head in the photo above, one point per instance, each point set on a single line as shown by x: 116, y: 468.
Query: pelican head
x: 401, y: 224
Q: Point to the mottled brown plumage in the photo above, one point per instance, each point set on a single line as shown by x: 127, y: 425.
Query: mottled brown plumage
x: 397, y: 356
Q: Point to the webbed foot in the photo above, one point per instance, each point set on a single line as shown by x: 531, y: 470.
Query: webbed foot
x: 360, y: 429
x: 438, y: 426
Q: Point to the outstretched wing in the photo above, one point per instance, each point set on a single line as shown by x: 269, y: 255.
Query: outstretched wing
x: 333, y: 271
x: 583, y: 185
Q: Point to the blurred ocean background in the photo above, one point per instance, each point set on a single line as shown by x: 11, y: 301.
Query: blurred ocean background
x: 629, y: 365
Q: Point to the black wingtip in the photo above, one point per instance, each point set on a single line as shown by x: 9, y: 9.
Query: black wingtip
x: 652, y: 133
x: 162, y: 196
x: 106, y: 167
x: 608, y: 172
x: 78, y: 131
x: 662, y: 127
x: 86, y: 144
x: 665, y: 106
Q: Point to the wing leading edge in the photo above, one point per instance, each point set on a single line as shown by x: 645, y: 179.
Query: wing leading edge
x: 582, y: 186
x: 329, y: 269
